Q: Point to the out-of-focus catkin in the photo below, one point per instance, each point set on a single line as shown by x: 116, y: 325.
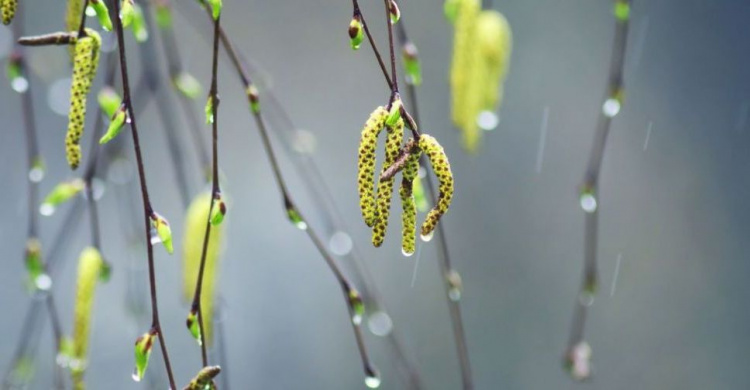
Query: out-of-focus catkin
x: 90, y: 265
x: 195, y: 230
x: 463, y: 49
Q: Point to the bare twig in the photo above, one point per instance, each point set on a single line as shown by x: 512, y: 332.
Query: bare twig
x: 589, y: 188
x: 147, y: 209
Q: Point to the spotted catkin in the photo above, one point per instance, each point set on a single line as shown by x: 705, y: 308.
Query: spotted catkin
x: 8, y: 10
x: 366, y: 163
x: 85, y: 64
x: 385, y: 187
x: 89, y: 268
x: 73, y: 11
x: 463, y: 57
x: 408, y: 203
x: 442, y: 169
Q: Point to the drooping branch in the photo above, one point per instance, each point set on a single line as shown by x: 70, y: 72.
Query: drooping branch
x: 147, y: 209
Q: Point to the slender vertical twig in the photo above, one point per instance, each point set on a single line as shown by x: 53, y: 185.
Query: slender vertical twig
x: 589, y: 199
x: 215, y: 190
x: 147, y: 209
x: 459, y: 336
x: 358, y: 12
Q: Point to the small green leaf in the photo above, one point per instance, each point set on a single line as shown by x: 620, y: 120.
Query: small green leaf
x: 116, y: 125
x: 294, y: 216
x: 33, y: 260
x: 395, y: 113
x: 194, y: 325
x: 109, y: 100
x: 140, y: 32
x: 127, y: 12
x: 143, y: 346
x: 412, y: 67
x: 219, y: 210
x: 356, y: 32
x: 62, y: 193
x: 215, y: 8
x: 254, y: 98
x: 102, y: 13
x: 394, y: 11
x: 163, y: 14
x: 163, y: 230
x: 356, y: 304
x: 209, y: 110
x: 187, y: 85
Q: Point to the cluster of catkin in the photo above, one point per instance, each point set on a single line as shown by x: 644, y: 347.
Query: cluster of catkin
x: 375, y: 207
x: 8, y: 10
x: 482, y: 46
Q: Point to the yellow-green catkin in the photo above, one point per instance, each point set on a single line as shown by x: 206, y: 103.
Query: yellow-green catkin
x: 85, y: 64
x: 9, y: 10
x: 204, y: 379
x: 495, y: 41
x: 366, y: 163
x: 442, y: 169
x: 463, y: 52
x: 195, y: 230
x: 89, y: 268
x: 73, y: 11
x: 385, y: 187
x: 408, y: 203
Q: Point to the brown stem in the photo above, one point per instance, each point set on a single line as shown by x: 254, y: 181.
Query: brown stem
x: 147, y: 210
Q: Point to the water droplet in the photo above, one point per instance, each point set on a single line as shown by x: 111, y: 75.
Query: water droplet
x: 77, y: 364
x: 579, y: 361
x: 356, y: 318
x: 380, y: 323
x: 340, y: 243
x: 19, y: 84
x: 43, y: 282
x: 586, y: 298
x: 372, y: 380
x: 155, y: 238
x: 611, y: 107
x: 58, y: 96
x: 588, y: 202
x: 90, y: 12
x: 488, y: 120
x: 304, y: 142
x: 427, y: 237
x: 135, y: 375
x: 454, y: 294
x: 62, y: 359
x: 406, y: 253
x: 36, y: 174
x: 46, y: 209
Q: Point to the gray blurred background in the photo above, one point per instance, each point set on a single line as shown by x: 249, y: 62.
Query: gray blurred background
x: 674, y: 210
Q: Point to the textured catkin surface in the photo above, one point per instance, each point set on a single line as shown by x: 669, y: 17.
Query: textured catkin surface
x: 89, y: 267
x: 385, y: 187
x: 442, y: 169
x: 73, y: 10
x: 85, y: 64
x: 8, y: 10
x: 463, y: 57
x: 408, y: 204
x: 195, y: 230
x: 366, y: 163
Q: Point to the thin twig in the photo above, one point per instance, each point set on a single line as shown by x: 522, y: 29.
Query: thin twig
x: 215, y: 190
x: 358, y: 12
x: 590, y: 183
x: 147, y: 210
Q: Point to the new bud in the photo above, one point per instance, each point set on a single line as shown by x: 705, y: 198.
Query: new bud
x: 356, y: 32
x: 115, y: 126
x: 163, y: 230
